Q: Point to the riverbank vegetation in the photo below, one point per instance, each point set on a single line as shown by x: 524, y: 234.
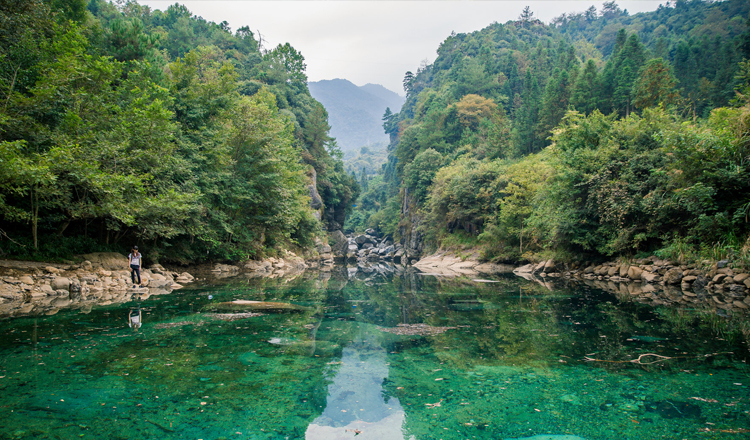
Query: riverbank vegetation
x: 122, y: 125
x: 597, y: 136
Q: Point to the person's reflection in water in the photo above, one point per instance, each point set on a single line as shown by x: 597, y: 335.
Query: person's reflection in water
x: 135, y: 318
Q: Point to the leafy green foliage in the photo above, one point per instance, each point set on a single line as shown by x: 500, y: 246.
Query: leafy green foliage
x: 624, y: 186
x: 569, y: 138
x: 123, y: 125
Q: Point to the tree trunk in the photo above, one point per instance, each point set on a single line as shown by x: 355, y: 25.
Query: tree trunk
x: 63, y: 226
x: 34, y: 215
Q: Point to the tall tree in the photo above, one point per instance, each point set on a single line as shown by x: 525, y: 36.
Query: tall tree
x: 285, y: 64
x: 622, y: 71
x: 554, y: 104
x: 655, y: 85
x: 586, y: 93
x: 526, y: 16
x: 527, y: 117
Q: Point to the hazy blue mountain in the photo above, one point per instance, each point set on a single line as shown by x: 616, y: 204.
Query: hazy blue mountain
x: 355, y: 112
x: 384, y: 94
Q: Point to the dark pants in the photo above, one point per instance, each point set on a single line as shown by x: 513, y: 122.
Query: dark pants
x: 135, y: 270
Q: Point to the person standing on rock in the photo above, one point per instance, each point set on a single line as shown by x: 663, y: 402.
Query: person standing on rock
x: 135, y: 259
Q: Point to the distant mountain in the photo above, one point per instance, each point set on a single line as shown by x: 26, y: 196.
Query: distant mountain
x: 355, y: 113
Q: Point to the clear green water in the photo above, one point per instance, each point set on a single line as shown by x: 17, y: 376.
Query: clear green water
x: 513, y: 365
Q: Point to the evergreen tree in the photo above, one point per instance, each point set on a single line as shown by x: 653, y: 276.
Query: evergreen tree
x: 744, y: 41
x: 363, y: 179
x: 656, y: 85
x: 586, y: 94
x: 626, y: 65
x: 527, y: 117
x: 526, y: 16
x: 609, y: 82
x: 554, y: 104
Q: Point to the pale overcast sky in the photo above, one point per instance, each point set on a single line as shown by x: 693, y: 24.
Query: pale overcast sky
x: 373, y: 41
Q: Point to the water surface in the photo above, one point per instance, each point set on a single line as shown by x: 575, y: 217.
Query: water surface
x: 376, y: 357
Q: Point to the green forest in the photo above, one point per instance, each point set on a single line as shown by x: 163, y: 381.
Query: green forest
x: 599, y: 135
x: 121, y: 125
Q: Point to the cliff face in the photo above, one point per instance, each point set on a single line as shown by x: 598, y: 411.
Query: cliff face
x: 316, y: 202
x: 409, y: 226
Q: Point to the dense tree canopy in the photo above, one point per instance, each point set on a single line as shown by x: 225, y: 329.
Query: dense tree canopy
x: 601, y: 134
x: 123, y: 125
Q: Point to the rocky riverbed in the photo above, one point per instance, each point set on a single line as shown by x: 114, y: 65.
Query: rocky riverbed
x: 366, y: 248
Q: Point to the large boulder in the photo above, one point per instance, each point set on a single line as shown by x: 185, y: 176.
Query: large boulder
x: 634, y: 273
x: 700, y: 283
x: 60, y: 283
x: 361, y: 239
x: 107, y: 260
x: 550, y: 266
x: 529, y: 268
x: 649, y: 277
x: 719, y: 278
x: 340, y: 244
x: 673, y: 276
x: 323, y: 248
x: 160, y: 284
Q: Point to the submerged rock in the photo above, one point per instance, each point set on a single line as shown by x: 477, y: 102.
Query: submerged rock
x: 674, y: 409
x: 233, y: 316
x: 415, y: 329
x: 571, y: 398
x: 266, y: 306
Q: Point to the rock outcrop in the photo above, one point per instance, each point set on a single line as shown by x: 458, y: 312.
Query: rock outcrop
x: 409, y: 228
x: 105, y: 260
x: 316, y: 201
x: 370, y: 248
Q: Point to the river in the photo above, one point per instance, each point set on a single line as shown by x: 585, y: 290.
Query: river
x: 376, y: 356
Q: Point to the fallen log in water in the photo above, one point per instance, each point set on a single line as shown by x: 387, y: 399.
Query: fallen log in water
x: 241, y: 305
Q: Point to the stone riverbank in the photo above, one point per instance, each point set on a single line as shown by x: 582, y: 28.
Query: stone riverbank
x: 656, y: 281
x: 32, y: 288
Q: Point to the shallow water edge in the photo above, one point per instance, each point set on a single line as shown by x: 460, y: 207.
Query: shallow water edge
x: 375, y: 355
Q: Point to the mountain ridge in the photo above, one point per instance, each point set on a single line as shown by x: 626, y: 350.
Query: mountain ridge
x: 355, y: 112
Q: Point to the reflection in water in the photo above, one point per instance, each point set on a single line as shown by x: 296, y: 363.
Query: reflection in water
x: 355, y: 402
x: 374, y: 357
